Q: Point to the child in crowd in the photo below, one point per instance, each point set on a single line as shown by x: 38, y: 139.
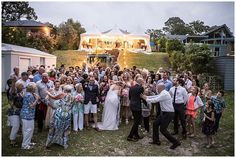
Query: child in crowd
x: 146, y: 111
x: 193, y: 104
x: 220, y: 105
x: 208, y: 123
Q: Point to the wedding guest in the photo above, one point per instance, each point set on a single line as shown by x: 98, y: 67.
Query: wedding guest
x: 220, y: 106
x: 165, y: 118
x: 208, y: 123
x: 78, y: 108
x: 60, y: 126
x: 27, y: 115
x: 193, y: 104
x: 17, y: 95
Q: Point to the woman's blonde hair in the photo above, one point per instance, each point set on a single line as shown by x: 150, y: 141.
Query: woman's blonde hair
x: 31, y: 87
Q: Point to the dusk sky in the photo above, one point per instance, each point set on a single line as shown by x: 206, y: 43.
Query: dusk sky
x: 135, y: 17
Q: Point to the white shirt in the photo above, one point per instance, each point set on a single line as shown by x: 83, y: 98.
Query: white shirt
x: 188, y: 84
x: 181, y: 95
x: 165, y: 101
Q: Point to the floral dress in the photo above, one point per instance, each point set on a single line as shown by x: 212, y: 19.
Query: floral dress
x: 103, y: 92
x: 60, y: 125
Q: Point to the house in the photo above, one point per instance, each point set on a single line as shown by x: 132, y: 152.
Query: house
x: 219, y: 39
x: 22, y: 57
x: 30, y: 26
x: 221, y: 43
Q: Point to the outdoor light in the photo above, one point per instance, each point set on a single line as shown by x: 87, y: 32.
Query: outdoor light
x: 46, y: 30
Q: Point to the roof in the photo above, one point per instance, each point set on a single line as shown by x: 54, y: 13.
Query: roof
x: 27, y: 50
x: 179, y: 37
x: 116, y: 32
x: 217, y: 28
x: 24, y: 23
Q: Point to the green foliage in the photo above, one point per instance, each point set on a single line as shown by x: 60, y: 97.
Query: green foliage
x: 174, y: 45
x: 154, y: 34
x: 19, y: 36
x: 176, y: 26
x: 196, y: 58
x: 162, y: 43
x: 16, y: 10
x: 68, y: 35
x: 198, y: 27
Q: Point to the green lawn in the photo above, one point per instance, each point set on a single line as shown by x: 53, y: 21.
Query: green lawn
x: 70, y: 57
x: 113, y: 143
x: 150, y: 62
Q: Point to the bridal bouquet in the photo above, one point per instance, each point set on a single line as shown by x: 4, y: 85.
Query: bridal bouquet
x: 79, y: 98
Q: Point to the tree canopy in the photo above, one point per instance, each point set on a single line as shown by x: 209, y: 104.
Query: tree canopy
x: 17, y: 10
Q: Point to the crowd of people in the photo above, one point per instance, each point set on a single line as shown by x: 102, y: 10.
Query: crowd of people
x: 62, y: 100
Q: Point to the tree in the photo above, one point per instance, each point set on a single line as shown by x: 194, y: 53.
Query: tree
x: 154, y: 34
x: 162, y: 43
x: 176, y: 26
x: 174, y: 45
x: 68, y: 35
x: 198, y: 27
x: 16, y: 10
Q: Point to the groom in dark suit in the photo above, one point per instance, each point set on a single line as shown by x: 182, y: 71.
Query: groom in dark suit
x: 90, y: 101
x: 135, y: 106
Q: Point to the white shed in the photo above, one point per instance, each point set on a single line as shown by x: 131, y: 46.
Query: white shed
x: 13, y: 55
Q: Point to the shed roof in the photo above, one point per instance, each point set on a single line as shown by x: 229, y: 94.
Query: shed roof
x: 24, y: 23
x: 20, y: 49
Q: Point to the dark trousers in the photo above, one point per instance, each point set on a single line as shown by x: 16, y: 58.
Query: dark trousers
x: 217, y: 121
x: 146, y: 123
x: 179, y: 115
x: 137, y: 121
x: 163, y: 122
x: 41, y: 114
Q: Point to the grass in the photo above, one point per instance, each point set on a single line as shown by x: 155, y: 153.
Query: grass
x: 113, y: 143
x: 150, y: 62
x: 70, y: 57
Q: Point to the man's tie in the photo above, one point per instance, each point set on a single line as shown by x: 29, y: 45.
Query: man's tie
x: 174, y: 95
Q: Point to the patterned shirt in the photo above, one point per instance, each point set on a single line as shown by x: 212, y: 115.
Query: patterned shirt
x: 219, y: 104
x: 27, y: 112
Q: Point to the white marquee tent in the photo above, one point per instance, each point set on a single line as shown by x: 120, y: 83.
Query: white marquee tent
x: 114, y: 39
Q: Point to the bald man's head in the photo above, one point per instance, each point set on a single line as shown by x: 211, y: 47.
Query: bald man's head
x: 160, y: 87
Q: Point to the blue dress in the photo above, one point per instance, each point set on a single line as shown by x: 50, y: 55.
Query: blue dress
x: 61, y: 122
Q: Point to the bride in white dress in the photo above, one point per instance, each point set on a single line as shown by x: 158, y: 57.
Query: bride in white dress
x: 111, y: 111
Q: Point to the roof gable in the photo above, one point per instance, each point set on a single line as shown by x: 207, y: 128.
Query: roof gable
x: 217, y: 28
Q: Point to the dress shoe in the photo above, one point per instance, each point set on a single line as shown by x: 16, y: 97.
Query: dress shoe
x: 175, y: 145
x: 139, y: 137
x: 97, y: 129
x: 155, y: 143
x: 132, y: 139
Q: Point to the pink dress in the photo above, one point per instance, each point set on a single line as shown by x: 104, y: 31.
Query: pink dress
x: 190, y: 107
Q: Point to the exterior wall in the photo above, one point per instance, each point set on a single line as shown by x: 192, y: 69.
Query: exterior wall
x: 6, y: 69
x: 50, y: 61
x: 11, y: 60
x: 225, y: 68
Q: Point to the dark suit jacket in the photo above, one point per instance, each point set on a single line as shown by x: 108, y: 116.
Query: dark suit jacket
x: 90, y: 95
x: 134, y: 96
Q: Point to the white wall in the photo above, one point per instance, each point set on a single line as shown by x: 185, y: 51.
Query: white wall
x: 9, y: 61
x: 6, y: 69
